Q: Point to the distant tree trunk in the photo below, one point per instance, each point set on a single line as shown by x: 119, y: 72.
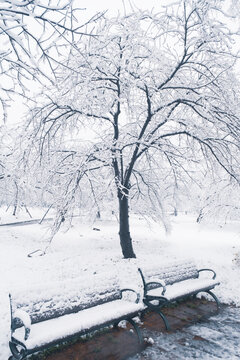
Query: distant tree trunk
x: 124, y: 231
x: 16, y: 200
x: 200, y: 216
x: 27, y: 211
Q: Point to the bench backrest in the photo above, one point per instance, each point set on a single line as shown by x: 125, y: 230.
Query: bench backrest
x: 170, y: 272
x: 61, y: 298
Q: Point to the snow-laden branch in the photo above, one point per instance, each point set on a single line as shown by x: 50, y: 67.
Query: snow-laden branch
x: 159, y: 93
x: 35, y: 36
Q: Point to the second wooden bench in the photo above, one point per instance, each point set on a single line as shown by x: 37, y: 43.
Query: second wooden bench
x: 168, y: 283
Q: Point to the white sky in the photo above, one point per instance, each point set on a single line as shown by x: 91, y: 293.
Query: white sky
x: 113, y: 6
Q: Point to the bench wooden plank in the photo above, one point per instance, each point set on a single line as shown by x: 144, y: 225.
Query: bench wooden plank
x: 43, y: 318
x: 173, y: 282
x: 49, y: 331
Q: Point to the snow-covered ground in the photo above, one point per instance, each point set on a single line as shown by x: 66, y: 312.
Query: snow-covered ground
x: 88, y: 249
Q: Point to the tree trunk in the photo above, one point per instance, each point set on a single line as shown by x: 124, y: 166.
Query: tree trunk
x: 124, y: 231
x: 15, y: 200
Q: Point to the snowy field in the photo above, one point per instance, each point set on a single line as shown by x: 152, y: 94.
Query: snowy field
x: 93, y: 248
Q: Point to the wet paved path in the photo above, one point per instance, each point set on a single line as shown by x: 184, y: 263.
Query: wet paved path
x: 217, y: 337
x: 197, y: 333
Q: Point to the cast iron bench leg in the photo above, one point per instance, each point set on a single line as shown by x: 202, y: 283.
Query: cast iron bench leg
x: 136, y: 328
x: 138, y: 331
x: 17, y: 354
x: 215, y: 298
x: 166, y: 323
x: 157, y: 309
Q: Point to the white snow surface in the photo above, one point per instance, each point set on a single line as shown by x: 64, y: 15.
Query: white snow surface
x: 24, y: 317
x: 170, y: 271
x: 183, y: 288
x: 82, y: 253
x: 61, y: 327
x: 43, y: 299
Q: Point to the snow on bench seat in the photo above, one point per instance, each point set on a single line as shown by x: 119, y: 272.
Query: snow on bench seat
x: 50, y: 313
x: 59, y: 328
x: 45, y: 301
x: 183, y: 288
x: 170, y: 271
x: 172, y: 281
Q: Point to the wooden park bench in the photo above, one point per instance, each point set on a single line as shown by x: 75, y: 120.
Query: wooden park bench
x: 60, y: 311
x: 174, y: 281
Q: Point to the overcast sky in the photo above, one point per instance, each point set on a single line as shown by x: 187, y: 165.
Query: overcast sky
x: 113, y: 6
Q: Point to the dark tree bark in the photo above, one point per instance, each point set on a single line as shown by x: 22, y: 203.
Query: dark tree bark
x: 16, y: 200
x: 124, y: 230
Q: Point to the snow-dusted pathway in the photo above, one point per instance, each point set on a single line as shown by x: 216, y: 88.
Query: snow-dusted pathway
x: 82, y: 251
x: 215, y: 338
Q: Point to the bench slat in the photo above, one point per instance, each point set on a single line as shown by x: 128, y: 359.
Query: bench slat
x: 61, y: 298
x: 171, y: 273
x: 184, y: 288
x: 173, y: 282
x: 48, y: 331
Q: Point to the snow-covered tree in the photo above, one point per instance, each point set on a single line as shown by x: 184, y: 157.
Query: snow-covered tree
x: 33, y: 36
x: 219, y: 200
x: 158, y: 93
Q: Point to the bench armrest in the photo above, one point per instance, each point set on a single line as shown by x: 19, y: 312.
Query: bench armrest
x: 214, y: 274
x: 21, y: 317
x: 137, y: 294
x: 161, y: 283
